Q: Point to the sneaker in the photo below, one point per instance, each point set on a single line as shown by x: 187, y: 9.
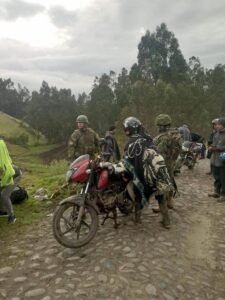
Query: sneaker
x: 214, y: 195
x: 11, y: 219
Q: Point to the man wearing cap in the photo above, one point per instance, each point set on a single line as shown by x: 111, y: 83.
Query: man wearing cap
x: 111, y: 149
x: 83, y: 140
x: 218, y: 165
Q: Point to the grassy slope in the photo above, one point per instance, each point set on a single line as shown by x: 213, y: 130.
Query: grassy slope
x: 11, y: 127
x: 35, y: 175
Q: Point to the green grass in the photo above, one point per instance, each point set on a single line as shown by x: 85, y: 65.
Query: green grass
x: 31, y: 212
x: 36, y: 175
x: 12, y: 128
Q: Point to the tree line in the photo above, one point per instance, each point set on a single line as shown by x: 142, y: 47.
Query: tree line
x: 161, y: 81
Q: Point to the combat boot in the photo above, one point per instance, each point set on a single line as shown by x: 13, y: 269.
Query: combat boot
x: 214, y: 195
x: 165, y: 215
x: 137, y: 213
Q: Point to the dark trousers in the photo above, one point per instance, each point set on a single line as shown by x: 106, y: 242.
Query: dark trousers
x: 219, y: 176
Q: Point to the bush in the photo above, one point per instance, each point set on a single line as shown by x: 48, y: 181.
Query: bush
x: 21, y: 139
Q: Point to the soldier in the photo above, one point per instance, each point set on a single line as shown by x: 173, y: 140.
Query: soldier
x: 83, y: 140
x: 168, y: 143
x: 146, y: 166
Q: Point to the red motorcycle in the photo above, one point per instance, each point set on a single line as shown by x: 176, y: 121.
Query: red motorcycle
x: 104, y: 188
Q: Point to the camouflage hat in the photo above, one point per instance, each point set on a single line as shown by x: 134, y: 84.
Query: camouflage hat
x: 163, y: 120
x: 82, y: 119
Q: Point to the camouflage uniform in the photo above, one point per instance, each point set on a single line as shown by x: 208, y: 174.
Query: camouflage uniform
x: 85, y: 141
x: 165, y: 145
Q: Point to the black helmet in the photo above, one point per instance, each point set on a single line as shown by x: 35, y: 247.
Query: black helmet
x: 221, y: 121
x: 132, y: 125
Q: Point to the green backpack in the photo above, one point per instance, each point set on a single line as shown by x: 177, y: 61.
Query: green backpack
x: 175, y: 139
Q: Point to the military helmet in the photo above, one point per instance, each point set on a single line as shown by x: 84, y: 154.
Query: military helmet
x: 82, y: 119
x: 132, y: 124
x: 215, y: 121
x: 163, y: 120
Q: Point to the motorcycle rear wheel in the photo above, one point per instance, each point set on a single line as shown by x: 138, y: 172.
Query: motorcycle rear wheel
x: 64, y: 227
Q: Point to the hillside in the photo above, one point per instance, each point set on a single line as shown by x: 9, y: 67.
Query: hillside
x: 35, y: 159
x: 18, y: 132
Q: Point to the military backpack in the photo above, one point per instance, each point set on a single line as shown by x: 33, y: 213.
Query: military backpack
x: 175, y: 143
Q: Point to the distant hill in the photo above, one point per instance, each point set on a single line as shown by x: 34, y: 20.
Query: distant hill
x: 18, y: 132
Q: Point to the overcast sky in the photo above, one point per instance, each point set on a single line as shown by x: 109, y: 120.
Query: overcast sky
x: 67, y: 43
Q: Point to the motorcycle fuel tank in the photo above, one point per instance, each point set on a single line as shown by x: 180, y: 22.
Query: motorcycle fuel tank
x: 78, y: 171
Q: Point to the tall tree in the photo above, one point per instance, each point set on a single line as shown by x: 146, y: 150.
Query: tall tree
x: 159, y: 56
x: 102, y: 107
x: 13, y: 101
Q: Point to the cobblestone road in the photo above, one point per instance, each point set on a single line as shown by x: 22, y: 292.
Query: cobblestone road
x: 134, y: 262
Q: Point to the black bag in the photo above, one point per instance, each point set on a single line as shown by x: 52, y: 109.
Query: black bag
x: 18, y: 195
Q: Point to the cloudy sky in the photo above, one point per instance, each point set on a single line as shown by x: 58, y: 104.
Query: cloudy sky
x: 68, y: 44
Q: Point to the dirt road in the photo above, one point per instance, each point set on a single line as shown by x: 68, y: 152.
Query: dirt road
x: 133, y: 262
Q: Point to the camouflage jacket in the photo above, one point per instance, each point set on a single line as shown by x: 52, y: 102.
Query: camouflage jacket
x: 83, y: 142
x: 169, y: 145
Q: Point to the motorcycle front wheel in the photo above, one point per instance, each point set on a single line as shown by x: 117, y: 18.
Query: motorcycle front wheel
x: 65, y: 229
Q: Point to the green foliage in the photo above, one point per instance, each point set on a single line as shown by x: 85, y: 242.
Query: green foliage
x: 12, y: 100
x: 52, y: 112
x: 160, y: 82
x: 102, y: 104
x: 159, y: 56
x: 19, y: 132
x: 35, y: 175
x: 21, y: 139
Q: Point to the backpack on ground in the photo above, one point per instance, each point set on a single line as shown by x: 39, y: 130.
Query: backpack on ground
x: 19, y: 194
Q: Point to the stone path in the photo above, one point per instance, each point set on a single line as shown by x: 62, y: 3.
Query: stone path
x: 137, y: 262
